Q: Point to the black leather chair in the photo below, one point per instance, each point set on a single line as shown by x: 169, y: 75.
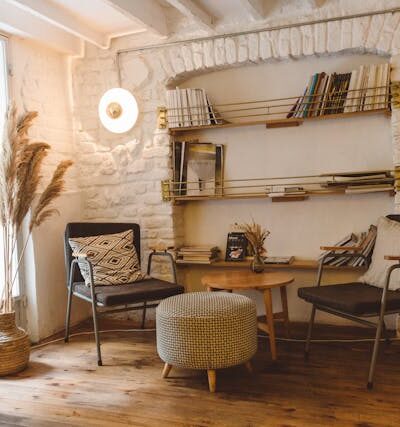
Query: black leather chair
x: 115, y: 298
x: 355, y: 301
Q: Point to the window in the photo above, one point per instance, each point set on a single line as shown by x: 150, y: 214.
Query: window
x: 4, y: 99
x: 3, y: 81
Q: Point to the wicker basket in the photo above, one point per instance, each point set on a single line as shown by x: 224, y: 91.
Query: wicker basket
x: 14, y: 345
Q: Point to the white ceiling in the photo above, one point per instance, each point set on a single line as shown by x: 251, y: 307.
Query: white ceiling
x: 65, y: 24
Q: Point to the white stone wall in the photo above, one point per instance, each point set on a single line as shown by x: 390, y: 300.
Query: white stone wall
x: 40, y: 82
x: 120, y: 174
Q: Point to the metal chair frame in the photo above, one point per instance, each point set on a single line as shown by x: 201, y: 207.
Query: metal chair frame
x: 380, y: 325
x: 81, y: 258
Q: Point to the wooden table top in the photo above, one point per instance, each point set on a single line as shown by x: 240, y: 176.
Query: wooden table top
x: 246, y: 280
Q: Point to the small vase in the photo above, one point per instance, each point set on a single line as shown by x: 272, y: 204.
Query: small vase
x: 257, y: 265
x: 14, y: 346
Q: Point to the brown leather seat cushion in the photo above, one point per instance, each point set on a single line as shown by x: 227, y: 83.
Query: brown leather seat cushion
x: 352, y: 298
x: 146, y: 290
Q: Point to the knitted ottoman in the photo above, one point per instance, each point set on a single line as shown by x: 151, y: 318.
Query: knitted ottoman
x: 206, y: 330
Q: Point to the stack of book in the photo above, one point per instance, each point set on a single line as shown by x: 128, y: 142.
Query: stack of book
x: 363, y: 182
x: 282, y: 191
x: 361, y: 90
x: 365, y: 241
x: 189, y: 107
x: 197, y: 254
x: 198, y: 168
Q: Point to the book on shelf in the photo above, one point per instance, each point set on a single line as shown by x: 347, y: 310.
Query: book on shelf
x: 363, y: 89
x: 278, y: 259
x: 190, y: 107
x: 357, y: 189
x: 198, y: 168
x: 362, y: 182
x: 202, y: 254
x: 365, y: 241
x: 283, y: 191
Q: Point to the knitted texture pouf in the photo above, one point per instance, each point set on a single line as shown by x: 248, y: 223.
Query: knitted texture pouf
x: 206, y: 330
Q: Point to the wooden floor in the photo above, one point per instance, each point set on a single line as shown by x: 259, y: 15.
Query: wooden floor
x: 64, y: 386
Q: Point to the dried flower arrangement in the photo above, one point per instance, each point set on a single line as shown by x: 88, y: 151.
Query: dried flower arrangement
x: 20, y: 166
x: 256, y: 235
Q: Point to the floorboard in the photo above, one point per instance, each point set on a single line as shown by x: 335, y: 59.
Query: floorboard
x: 63, y: 386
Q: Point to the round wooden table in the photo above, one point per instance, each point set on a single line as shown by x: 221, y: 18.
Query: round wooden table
x: 264, y: 282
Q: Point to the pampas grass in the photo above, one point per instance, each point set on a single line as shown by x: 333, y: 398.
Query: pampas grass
x: 20, y: 177
x: 256, y: 235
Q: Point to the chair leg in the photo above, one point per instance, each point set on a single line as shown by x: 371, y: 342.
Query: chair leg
x: 386, y: 334
x: 248, y: 367
x: 144, y: 314
x: 379, y: 328
x: 309, y: 332
x: 96, y: 333
x: 68, y: 314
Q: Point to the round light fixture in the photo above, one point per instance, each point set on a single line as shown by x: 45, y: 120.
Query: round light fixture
x: 118, y: 110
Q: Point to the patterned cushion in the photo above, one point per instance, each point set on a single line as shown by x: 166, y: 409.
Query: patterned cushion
x: 113, y: 257
x: 387, y: 243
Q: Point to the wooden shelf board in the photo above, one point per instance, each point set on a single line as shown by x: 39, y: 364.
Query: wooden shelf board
x: 297, y: 264
x: 297, y: 121
x: 289, y: 198
x: 283, y: 122
x: 224, y: 125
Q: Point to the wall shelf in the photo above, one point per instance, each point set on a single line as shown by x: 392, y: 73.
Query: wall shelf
x: 342, y: 183
x: 278, y: 123
x: 297, y: 264
x: 336, y: 103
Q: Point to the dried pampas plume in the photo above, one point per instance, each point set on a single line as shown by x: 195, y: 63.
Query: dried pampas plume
x: 256, y: 235
x: 20, y: 177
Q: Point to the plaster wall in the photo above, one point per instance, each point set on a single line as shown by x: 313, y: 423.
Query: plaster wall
x: 40, y: 82
x: 120, y: 174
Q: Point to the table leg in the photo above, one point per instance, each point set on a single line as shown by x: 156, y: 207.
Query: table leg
x: 270, y: 321
x: 285, y: 309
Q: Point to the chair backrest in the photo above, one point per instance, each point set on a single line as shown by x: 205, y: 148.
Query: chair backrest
x: 86, y: 229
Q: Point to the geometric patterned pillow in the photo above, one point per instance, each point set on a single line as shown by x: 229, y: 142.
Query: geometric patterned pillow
x: 113, y: 256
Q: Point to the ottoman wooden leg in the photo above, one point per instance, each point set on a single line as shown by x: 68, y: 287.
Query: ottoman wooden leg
x: 166, y: 370
x: 212, y: 380
x: 248, y: 367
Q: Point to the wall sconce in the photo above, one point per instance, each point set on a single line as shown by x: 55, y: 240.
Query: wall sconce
x: 118, y: 110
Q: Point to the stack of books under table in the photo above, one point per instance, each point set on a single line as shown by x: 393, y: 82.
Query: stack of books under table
x: 203, y: 254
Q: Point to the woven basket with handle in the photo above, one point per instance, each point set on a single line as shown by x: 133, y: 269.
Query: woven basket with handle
x: 14, y: 345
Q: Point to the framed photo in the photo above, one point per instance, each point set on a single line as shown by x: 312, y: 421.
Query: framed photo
x: 236, y: 246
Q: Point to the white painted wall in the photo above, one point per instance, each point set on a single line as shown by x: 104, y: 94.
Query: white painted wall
x: 121, y: 173
x: 351, y: 144
x: 40, y: 82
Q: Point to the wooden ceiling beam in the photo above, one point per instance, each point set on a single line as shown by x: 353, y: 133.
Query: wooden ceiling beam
x: 61, y: 18
x: 255, y: 8
x: 190, y: 9
x: 15, y: 20
x: 143, y: 12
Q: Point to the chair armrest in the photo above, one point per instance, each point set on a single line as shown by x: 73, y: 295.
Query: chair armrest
x: 162, y: 253
x: 337, y: 255
x: 341, y: 248
x: 392, y: 257
x: 80, y: 257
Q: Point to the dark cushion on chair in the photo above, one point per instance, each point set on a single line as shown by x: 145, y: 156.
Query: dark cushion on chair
x: 351, y: 298
x: 146, y: 290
